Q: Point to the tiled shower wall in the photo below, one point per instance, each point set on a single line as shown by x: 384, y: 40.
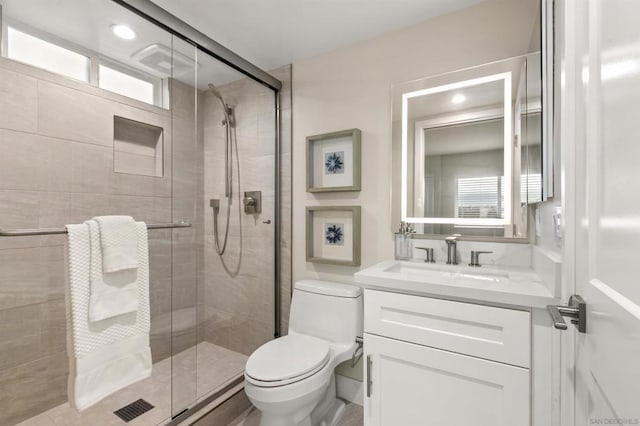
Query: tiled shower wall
x: 238, y: 301
x: 56, y: 167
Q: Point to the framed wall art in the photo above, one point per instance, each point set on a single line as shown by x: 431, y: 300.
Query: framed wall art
x: 333, y: 161
x: 333, y: 235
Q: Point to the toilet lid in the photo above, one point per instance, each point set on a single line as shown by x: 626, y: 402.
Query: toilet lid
x: 287, y: 358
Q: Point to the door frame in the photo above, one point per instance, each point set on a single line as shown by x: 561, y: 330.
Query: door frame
x: 569, y: 78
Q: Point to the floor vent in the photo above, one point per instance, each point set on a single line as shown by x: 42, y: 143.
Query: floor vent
x: 133, y: 410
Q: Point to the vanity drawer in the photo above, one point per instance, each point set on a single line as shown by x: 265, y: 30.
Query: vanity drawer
x: 497, y: 334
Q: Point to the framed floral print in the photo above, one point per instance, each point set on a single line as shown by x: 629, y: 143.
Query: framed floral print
x: 333, y: 161
x: 333, y: 235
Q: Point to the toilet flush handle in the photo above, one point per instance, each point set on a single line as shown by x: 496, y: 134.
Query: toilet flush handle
x: 357, y: 352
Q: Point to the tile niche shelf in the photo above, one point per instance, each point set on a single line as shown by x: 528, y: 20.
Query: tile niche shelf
x: 137, y: 147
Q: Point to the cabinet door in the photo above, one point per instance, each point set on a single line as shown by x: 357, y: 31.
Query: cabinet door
x: 408, y: 384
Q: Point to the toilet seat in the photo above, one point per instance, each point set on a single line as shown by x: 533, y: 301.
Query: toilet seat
x: 287, y: 360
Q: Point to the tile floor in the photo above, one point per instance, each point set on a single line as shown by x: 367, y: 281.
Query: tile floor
x: 215, y: 366
x: 353, y: 416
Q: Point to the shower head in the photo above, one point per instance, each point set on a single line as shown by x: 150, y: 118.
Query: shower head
x: 226, y: 109
x: 215, y: 92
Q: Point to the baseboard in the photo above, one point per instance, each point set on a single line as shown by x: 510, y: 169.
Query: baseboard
x: 349, y: 389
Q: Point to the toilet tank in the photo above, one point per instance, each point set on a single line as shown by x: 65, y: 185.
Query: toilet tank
x: 327, y: 310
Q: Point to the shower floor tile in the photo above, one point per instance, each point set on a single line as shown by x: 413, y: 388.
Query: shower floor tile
x: 215, y: 365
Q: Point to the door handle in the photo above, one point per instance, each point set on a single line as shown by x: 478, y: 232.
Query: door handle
x: 576, y: 310
x: 369, y: 379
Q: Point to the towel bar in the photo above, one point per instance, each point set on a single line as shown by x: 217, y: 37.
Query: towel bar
x: 52, y: 231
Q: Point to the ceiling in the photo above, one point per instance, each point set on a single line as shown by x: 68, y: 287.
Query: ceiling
x: 268, y: 33
x: 91, y: 34
x: 278, y: 32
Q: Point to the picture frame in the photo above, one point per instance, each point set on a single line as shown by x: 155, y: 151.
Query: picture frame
x: 334, y: 161
x: 333, y: 235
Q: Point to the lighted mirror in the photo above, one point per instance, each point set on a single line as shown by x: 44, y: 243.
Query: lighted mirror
x: 460, y: 134
x: 467, y: 148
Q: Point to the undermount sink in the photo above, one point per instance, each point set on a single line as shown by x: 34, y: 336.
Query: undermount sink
x: 451, y: 272
x: 515, y: 285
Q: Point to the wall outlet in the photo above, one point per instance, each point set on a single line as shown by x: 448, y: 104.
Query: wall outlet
x: 557, y: 224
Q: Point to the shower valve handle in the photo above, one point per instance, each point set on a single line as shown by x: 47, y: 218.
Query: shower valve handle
x: 252, y: 202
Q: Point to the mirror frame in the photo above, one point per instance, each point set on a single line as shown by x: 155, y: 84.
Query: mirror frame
x: 549, y: 76
x: 508, y: 151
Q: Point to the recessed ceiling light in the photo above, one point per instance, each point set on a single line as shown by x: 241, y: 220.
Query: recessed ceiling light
x: 123, y: 32
x: 458, y: 99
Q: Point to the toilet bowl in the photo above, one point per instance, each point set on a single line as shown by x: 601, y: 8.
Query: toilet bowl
x: 291, y: 380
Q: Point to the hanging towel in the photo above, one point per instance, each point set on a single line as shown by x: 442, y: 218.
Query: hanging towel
x: 118, y: 243
x: 114, y: 293
x: 107, y: 355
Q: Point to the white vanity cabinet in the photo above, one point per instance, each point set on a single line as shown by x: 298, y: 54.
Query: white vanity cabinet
x: 440, y: 362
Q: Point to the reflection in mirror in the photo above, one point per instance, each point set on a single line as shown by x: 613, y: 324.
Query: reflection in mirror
x: 459, y: 151
x: 471, y: 148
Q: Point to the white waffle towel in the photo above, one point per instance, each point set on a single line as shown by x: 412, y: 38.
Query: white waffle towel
x: 118, y: 242
x: 107, y: 355
x: 114, y: 293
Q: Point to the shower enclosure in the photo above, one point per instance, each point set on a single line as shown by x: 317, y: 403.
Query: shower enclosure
x: 105, y: 108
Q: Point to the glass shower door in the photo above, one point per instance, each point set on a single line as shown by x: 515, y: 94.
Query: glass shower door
x: 185, y: 242
x: 237, y: 133
x: 99, y: 125
x: 102, y: 125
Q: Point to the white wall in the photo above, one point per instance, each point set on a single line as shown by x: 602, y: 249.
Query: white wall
x: 545, y: 236
x: 350, y: 88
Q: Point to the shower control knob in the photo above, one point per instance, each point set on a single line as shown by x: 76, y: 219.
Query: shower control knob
x: 252, y: 202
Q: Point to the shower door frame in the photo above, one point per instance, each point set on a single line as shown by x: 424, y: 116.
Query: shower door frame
x: 175, y: 26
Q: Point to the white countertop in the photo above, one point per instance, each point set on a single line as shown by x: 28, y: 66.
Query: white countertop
x: 494, y: 285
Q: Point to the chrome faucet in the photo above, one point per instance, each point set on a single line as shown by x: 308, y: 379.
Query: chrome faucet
x: 452, y: 249
x: 429, y: 257
x: 475, y: 257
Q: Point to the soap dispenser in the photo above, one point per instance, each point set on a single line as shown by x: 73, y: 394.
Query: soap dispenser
x: 403, y: 244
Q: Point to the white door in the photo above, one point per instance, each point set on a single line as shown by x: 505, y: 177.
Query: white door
x: 418, y: 385
x: 606, y: 39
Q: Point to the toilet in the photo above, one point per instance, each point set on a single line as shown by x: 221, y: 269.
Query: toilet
x: 291, y: 379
